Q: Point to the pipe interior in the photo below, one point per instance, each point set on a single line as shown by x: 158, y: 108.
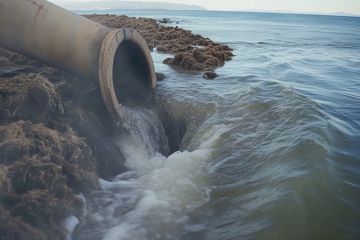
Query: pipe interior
x: 131, y: 74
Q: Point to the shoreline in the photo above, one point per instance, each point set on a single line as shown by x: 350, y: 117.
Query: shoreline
x: 190, y: 51
x: 55, y: 134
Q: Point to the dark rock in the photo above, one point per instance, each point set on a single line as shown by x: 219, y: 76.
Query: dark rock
x: 15, y: 228
x: 151, y: 46
x: 168, y: 60
x: 160, y: 76
x: 210, y: 75
x: 164, y: 20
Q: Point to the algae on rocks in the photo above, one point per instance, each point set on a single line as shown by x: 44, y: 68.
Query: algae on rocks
x: 56, y: 135
x: 52, y: 148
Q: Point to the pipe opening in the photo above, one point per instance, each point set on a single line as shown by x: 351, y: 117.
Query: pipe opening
x: 131, y: 75
x: 126, y: 71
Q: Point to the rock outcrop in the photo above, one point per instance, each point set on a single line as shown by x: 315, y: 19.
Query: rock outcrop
x: 191, y: 51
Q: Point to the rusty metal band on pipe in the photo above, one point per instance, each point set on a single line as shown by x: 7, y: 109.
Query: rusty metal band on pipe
x: 61, y: 38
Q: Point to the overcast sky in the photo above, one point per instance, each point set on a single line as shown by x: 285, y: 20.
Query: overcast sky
x: 319, y: 6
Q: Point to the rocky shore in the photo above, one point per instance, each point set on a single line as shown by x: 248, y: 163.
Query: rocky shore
x: 191, y: 52
x: 56, y: 136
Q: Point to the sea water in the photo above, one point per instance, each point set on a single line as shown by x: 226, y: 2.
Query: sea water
x: 271, y: 148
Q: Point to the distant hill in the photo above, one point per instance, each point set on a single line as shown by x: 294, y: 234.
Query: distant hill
x: 345, y: 14
x: 341, y: 14
x: 112, y: 4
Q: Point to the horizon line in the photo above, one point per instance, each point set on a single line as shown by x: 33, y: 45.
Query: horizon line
x: 339, y: 14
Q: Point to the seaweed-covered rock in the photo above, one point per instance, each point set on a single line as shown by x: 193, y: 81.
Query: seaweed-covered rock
x: 28, y: 97
x: 109, y: 158
x: 23, y: 139
x: 191, y: 51
x: 15, y: 228
x: 210, y: 75
x: 43, y: 159
x: 44, y: 210
x: 5, y: 184
x: 41, y: 172
x: 31, y: 174
x: 160, y: 76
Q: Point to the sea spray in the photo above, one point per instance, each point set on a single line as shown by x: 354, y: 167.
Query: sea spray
x: 145, y: 127
x: 152, y: 199
x: 70, y: 224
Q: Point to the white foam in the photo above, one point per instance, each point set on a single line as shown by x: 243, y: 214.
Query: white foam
x: 152, y: 199
x: 69, y: 224
x: 83, y: 199
x: 170, y: 186
x: 135, y: 154
x: 107, y: 185
x: 130, y: 228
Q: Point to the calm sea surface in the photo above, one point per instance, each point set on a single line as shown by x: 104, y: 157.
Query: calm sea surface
x: 271, y: 147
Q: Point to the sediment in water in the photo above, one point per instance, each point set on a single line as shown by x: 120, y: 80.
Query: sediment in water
x: 56, y: 135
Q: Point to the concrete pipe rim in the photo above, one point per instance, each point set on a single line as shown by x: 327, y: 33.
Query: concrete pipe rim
x: 109, y: 48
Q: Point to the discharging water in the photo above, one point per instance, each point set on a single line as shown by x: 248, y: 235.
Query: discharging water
x: 269, y: 150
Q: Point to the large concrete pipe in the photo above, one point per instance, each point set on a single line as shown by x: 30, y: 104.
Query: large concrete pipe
x: 119, y: 59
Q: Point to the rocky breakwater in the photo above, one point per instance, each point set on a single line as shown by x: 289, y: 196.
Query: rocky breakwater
x: 191, y: 52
